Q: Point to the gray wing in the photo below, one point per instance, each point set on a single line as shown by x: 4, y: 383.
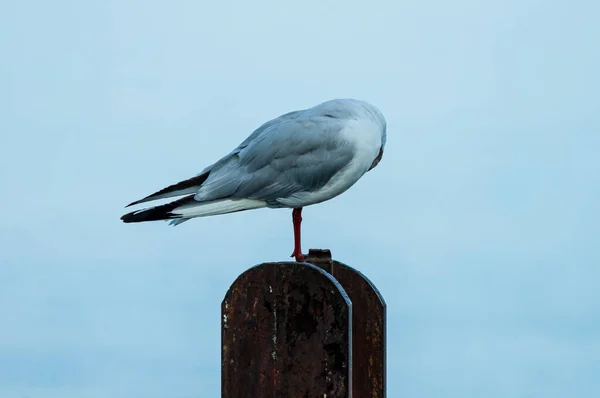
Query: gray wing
x: 291, y: 154
x: 256, y: 133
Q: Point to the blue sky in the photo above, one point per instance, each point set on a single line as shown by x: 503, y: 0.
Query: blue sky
x: 479, y: 226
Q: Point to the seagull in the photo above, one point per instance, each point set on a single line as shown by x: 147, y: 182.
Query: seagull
x: 296, y: 160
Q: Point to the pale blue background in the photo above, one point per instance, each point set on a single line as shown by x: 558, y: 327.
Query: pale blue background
x: 480, y: 226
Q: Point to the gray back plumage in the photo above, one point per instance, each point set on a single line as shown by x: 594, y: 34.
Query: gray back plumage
x: 296, y: 152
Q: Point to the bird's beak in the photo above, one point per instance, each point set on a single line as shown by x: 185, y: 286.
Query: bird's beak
x: 377, y: 159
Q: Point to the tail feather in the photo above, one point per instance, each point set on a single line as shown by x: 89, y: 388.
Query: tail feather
x: 163, y: 212
x: 187, y: 207
x: 185, y: 187
x: 178, y: 221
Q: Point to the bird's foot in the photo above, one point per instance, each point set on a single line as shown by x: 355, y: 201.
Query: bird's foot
x: 298, y: 255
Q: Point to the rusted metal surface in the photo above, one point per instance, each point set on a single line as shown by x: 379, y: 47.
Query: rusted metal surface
x: 321, y: 258
x: 368, y: 332
x: 368, y: 325
x: 286, y: 333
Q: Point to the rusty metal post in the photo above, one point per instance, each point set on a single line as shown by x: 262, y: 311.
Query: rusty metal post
x: 368, y: 326
x: 286, y: 332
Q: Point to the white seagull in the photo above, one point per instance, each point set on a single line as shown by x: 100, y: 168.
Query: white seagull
x: 296, y: 160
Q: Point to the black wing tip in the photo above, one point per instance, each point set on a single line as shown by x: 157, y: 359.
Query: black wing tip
x: 196, y: 181
x: 134, y: 216
x: 127, y: 218
x: 132, y: 203
x: 163, y: 212
x: 130, y: 217
x: 148, y: 215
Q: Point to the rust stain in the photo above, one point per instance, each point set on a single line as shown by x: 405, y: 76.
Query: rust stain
x: 290, y: 321
x: 368, y: 332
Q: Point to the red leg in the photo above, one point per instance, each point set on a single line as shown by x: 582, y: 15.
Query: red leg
x: 297, y: 220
